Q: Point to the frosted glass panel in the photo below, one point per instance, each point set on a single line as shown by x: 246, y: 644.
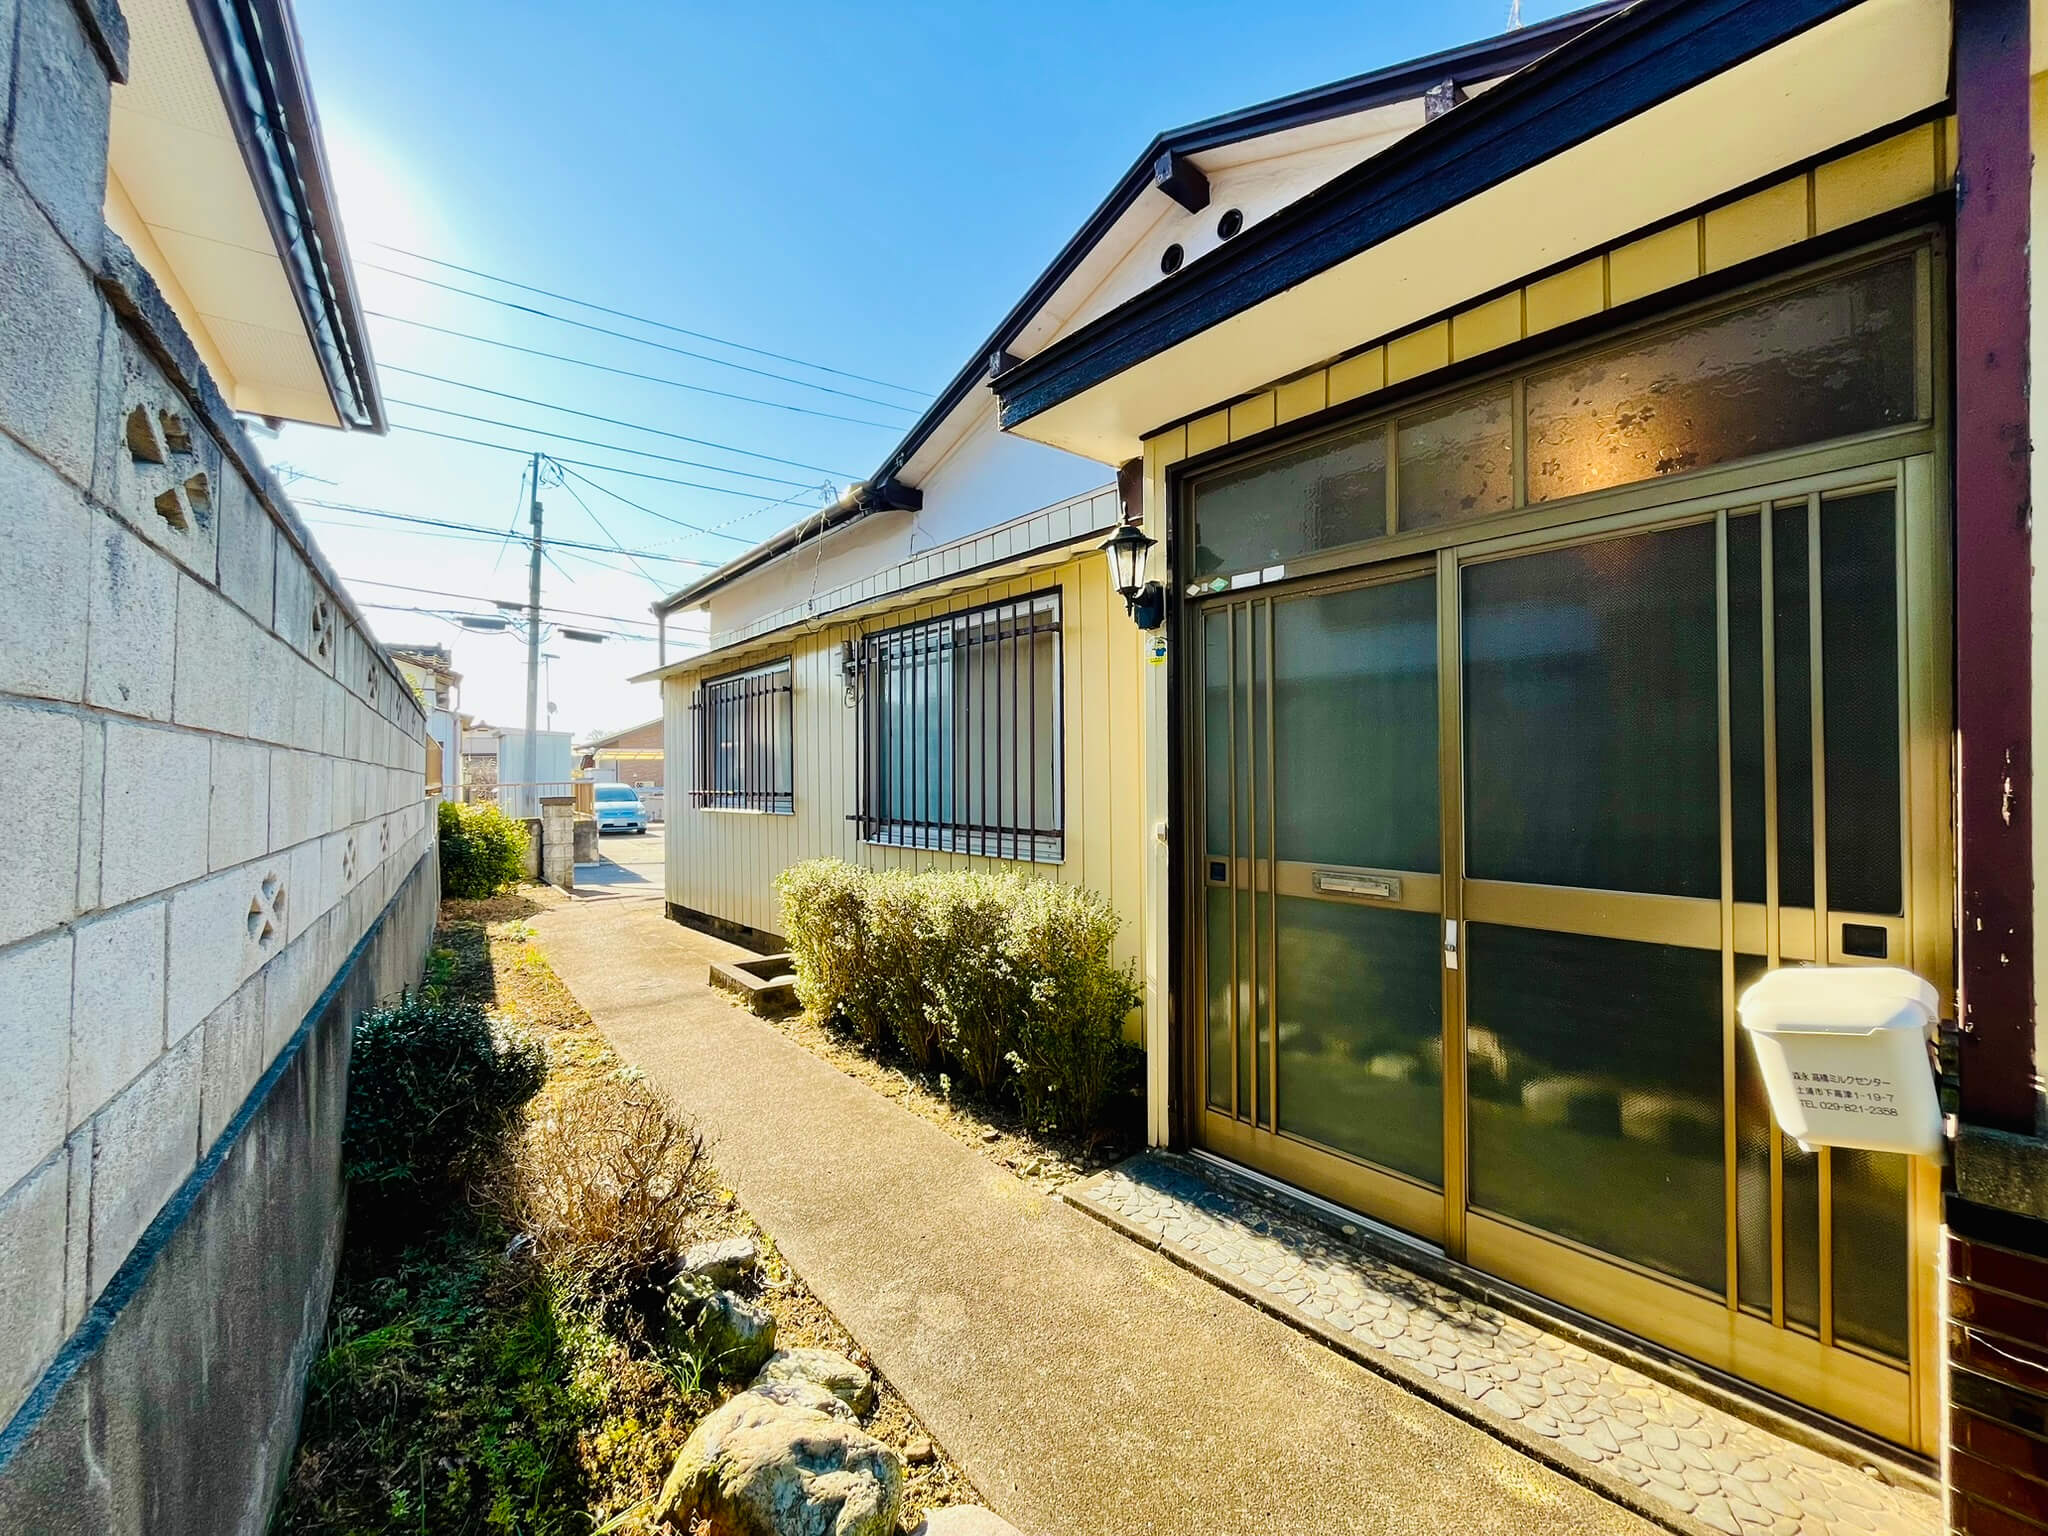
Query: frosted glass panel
x: 1355, y: 693
x: 1361, y: 1033
x: 1216, y: 729
x: 1594, y: 1068
x: 1333, y: 492
x: 1824, y: 362
x: 1591, y: 708
x: 1870, y: 1265
x: 1217, y: 955
x: 1457, y: 462
x: 1860, y: 702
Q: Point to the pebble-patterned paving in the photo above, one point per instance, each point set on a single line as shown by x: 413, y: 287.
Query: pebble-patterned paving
x: 1723, y: 1472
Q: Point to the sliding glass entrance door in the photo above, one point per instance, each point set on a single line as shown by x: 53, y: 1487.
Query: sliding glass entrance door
x: 1321, y: 891
x: 1658, y: 752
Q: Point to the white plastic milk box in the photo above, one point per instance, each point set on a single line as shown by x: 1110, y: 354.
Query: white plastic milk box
x: 1844, y: 1054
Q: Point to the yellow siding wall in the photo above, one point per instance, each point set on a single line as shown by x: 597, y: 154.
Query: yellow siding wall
x: 1899, y: 170
x: 724, y: 863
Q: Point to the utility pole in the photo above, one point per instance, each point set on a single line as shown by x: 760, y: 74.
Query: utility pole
x: 533, y: 637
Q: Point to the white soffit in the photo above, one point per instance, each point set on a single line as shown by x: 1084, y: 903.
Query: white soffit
x: 179, y: 192
x: 1859, y: 71
x: 1257, y: 176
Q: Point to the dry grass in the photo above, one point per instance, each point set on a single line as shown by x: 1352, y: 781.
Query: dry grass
x: 608, y: 1184
x: 496, y: 954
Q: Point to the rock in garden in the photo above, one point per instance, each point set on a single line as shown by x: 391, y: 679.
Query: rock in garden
x: 724, y: 1263
x: 965, y: 1520
x: 731, y: 1335
x: 919, y: 1451
x: 763, y: 1467
x: 804, y: 1394
x: 835, y: 1373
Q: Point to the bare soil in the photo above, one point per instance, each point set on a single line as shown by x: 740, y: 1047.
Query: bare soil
x: 996, y: 1130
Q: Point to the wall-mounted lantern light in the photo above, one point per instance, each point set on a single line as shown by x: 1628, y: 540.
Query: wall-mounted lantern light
x: 1145, y: 600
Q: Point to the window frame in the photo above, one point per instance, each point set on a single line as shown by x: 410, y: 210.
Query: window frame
x: 750, y: 797
x: 1004, y: 836
x: 1385, y: 410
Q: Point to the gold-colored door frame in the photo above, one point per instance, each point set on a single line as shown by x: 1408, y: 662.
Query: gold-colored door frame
x: 1834, y: 1377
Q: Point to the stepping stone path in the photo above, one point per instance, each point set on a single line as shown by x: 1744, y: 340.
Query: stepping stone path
x: 1708, y: 1468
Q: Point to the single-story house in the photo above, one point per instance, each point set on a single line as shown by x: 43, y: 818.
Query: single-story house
x: 1586, y: 481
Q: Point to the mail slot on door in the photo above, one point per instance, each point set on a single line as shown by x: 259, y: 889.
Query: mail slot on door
x: 1347, y: 883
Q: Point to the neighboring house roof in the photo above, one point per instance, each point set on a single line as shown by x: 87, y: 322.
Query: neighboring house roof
x: 1041, y: 538
x: 217, y: 180
x: 892, y: 485
x: 599, y: 743
x: 1633, y: 60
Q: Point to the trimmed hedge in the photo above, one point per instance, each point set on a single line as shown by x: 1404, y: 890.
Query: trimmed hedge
x: 434, y: 1087
x: 482, y: 850
x: 1004, y: 980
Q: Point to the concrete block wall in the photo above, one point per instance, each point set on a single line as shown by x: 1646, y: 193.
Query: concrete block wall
x: 215, y: 774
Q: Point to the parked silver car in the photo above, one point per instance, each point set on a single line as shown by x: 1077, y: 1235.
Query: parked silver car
x: 619, y: 809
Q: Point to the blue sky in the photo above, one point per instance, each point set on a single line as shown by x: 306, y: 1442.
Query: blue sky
x: 867, y: 187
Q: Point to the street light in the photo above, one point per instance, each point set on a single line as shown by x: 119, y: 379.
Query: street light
x: 1144, y: 600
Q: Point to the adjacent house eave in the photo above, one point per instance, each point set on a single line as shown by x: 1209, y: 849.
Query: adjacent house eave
x: 253, y: 47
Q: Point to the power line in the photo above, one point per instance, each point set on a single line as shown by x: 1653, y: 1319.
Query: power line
x: 591, y: 442
x: 638, y: 507
x: 613, y: 469
x: 653, y: 581
x: 449, y: 616
x: 473, y: 529
x: 605, y: 309
x: 472, y: 597
x: 628, y: 373
x: 643, y: 341
x: 615, y: 421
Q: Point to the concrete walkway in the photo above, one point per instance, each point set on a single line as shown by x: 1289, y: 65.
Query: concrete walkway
x: 1084, y: 1384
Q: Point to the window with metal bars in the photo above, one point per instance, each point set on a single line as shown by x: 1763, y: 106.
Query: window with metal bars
x: 744, y: 727
x: 961, y: 732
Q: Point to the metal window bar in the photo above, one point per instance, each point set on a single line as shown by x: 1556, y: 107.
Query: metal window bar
x: 953, y: 755
x: 743, y: 731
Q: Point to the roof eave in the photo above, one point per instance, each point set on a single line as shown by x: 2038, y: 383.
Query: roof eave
x: 1625, y: 63
x: 253, y: 47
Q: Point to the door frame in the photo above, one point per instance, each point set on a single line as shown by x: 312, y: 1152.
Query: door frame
x: 1838, y: 1380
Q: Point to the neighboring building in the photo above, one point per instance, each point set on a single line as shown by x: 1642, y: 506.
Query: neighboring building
x: 430, y: 671
x: 1593, y: 514
x: 220, y: 850
x: 496, y: 766
x: 634, y: 757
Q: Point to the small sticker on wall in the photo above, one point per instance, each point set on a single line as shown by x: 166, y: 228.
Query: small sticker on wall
x: 1244, y: 579
x: 1156, y: 651
x: 1273, y: 573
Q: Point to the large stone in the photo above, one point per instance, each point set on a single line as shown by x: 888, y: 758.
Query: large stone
x: 724, y: 1263
x: 731, y: 1336
x: 762, y: 1467
x: 821, y: 1367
